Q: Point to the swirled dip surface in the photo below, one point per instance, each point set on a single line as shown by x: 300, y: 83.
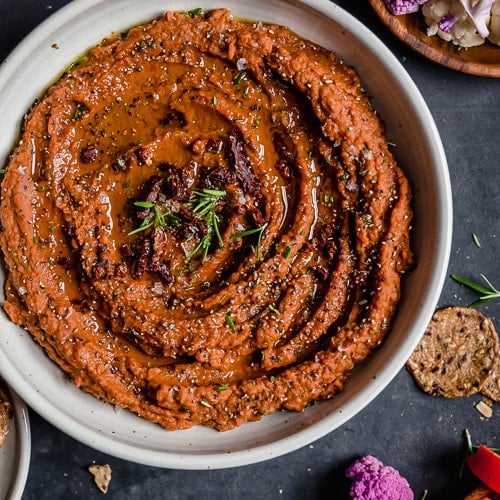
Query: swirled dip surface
x: 203, y: 223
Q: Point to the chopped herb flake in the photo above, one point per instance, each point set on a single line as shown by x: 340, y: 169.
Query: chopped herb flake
x: 476, y: 241
x: 344, y: 177
x: 230, y: 322
x: 239, y: 77
x: 273, y: 309
x: 194, y: 12
x: 81, y: 109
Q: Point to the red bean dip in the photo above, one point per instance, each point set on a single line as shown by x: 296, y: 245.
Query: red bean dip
x: 203, y: 223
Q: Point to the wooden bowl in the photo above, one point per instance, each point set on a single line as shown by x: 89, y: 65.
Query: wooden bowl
x: 411, y: 29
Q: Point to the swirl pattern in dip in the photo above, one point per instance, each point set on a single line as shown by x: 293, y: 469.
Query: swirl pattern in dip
x: 203, y: 222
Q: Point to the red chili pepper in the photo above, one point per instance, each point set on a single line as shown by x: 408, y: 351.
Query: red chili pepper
x: 485, y: 465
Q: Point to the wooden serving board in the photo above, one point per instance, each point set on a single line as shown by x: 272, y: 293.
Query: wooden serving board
x: 411, y: 29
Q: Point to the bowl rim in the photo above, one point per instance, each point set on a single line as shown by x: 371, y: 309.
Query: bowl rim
x: 308, y: 434
x: 22, y: 446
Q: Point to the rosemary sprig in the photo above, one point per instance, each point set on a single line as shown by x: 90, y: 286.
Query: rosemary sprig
x: 205, y: 205
x: 158, y: 216
x: 249, y: 232
x: 486, y: 293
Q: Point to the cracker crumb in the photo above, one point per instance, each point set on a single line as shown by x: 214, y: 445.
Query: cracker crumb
x: 102, y: 476
x: 484, y: 409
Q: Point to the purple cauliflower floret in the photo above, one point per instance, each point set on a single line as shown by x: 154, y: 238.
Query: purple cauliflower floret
x: 479, y: 12
x: 372, y: 480
x: 400, y: 7
x: 446, y: 23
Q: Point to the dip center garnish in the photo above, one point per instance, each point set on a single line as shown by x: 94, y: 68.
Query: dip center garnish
x: 205, y: 205
x: 199, y: 215
x: 203, y: 222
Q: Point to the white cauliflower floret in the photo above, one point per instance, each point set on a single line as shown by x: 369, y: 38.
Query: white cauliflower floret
x: 494, y: 36
x: 462, y: 32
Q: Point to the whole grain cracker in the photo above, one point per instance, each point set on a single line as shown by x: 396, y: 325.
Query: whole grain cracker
x: 102, y: 476
x: 459, y: 349
x: 491, y: 388
x: 5, y: 414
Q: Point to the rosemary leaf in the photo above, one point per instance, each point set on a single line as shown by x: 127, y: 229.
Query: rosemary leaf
x: 249, y: 232
x: 239, y: 77
x: 486, y: 293
x: 205, y: 205
x: 477, y: 287
x: 475, y: 239
x: 144, y: 204
x: 159, y: 216
x: 468, y: 440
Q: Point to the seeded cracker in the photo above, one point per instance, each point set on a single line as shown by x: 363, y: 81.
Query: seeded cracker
x: 491, y: 388
x: 457, y: 353
x: 102, y: 476
x: 5, y: 415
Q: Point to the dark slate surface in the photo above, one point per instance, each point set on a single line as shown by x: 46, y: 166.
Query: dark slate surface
x: 420, y: 435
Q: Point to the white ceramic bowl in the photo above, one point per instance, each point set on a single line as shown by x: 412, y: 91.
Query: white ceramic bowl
x: 82, y: 24
x: 15, y: 454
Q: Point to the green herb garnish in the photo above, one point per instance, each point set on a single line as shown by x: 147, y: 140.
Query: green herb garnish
x: 486, y: 293
x: 239, y: 77
x: 221, y: 388
x: 475, y: 239
x: 81, y: 109
x: 344, y: 177
x: 159, y: 216
x: 273, y: 309
x: 194, y: 12
x: 205, y: 205
x: 288, y: 252
x: 230, y: 322
x: 249, y: 232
